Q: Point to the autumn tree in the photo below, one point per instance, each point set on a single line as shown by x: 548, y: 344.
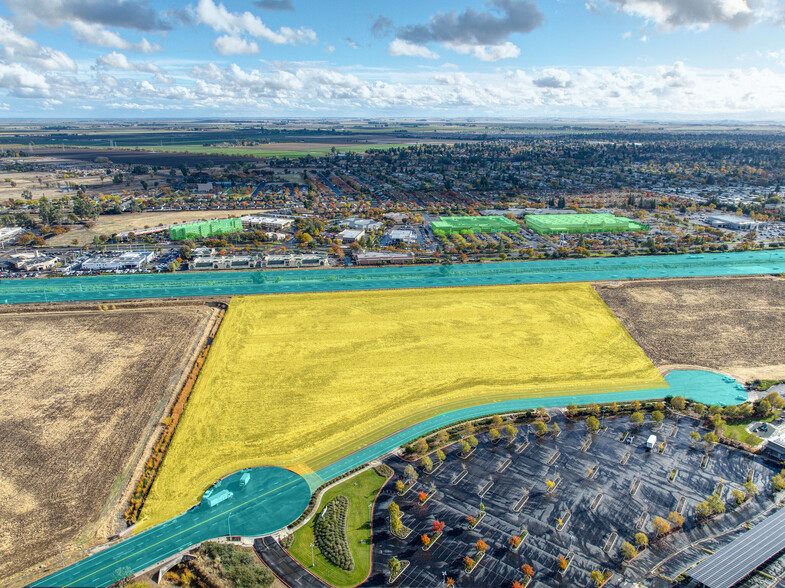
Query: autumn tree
x: 636, y: 418
x: 563, y: 563
x: 510, y: 431
x: 540, y: 428
x: 468, y: 563
x: 676, y: 519
x: 481, y: 546
x: 422, y: 496
x: 426, y: 541
x: 657, y: 416
x: 394, y: 565
x: 440, y: 455
x: 710, y: 438
x: 593, y: 424
x: 421, y: 445
x: 468, y: 429
x: 738, y: 496
x: 555, y: 429
x: 400, y: 486
x: 393, y: 510
x: 628, y: 550
x: 678, y: 403
x: 410, y: 473
x: 465, y: 447
x: 527, y: 570
x: 661, y: 526
x: 494, y: 434
x: 641, y: 540
x: 443, y: 437
x: 438, y: 526
x: 473, y: 441
x: 598, y: 578
x: 497, y: 420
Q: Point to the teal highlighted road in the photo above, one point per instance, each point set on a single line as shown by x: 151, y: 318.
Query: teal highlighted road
x: 274, y: 497
x: 328, y: 280
x: 265, y: 501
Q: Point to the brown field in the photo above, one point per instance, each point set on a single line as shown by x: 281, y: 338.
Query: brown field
x: 733, y: 325
x: 81, y: 395
x: 118, y: 223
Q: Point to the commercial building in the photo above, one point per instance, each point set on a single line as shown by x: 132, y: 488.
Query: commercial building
x: 32, y: 262
x: 402, y: 235
x: 205, y: 229
x: 129, y: 260
x: 266, y: 222
x: 350, y: 235
x: 243, y: 262
x: 467, y: 225
x: 735, y: 223
x: 383, y: 257
x: 557, y: 224
x: 364, y: 224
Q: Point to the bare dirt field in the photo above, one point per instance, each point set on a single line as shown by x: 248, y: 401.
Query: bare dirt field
x: 733, y: 325
x: 80, y: 395
x: 118, y: 223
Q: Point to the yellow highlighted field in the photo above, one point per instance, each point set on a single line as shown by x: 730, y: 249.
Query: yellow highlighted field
x: 301, y: 380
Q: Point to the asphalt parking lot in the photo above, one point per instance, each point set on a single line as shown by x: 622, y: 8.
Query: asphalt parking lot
x: 589, y: 531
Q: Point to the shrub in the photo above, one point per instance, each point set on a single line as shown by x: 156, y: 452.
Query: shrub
x: 330, y: 533
x: 383, y: 470
x: 287, y: 541
x: 427, y: 463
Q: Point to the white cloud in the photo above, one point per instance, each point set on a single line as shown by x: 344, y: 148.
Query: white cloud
x: 669, y: 15
x: 220, y: 19
x: 230, y: 45
x: 506, y: 50
x: 400, y: 47
x: 4, y: 106
x: 117, y: 60
x: 17, y: 48
x: 16, y: 77
x: 96, y: 34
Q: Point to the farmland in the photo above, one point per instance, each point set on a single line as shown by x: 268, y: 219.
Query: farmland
x: 732, y: 325
x: 300, y: 380
x: 81, y: 392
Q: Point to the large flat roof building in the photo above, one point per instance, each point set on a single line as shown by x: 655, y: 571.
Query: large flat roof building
x: 383, y: 257
x: 733, y: 222
x: 557, y: 224
x: 351, y: 235
x: 365, y: 224
x: 267, y: 222
x: 129, y: 260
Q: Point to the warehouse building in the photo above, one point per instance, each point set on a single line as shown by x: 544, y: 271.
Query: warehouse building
x: 383, y: 258
x: 32, y: 262
x: 361, y: 223
x: 403, y: 235
x: 244, y: 262
x: 129, y: 260
x: 350, y: 235
x: 266, y: 222
x: 733, y: 222
x: 205, y: 229
x: 559, y: 224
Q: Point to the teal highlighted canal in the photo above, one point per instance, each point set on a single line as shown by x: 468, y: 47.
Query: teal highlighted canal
x: 273, y: 497
x: 329, y: 280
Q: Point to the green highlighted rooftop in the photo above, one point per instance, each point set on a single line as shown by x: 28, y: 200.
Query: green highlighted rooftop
x: 556, y: 224
x: 205, y: 229
x: 468, y: 225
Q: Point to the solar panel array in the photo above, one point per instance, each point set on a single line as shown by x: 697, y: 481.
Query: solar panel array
x: 743, y: 555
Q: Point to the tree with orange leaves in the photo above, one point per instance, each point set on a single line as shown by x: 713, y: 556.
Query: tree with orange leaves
x: 481, y: 546
x: 527, y: 570
x: 426, y: 541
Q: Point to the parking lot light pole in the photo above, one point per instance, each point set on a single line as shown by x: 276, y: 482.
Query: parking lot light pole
x: 313, y: 563
x: 370, y: 514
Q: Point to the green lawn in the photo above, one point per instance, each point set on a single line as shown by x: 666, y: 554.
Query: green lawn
x: 368, y: 484
x: 744, y: 436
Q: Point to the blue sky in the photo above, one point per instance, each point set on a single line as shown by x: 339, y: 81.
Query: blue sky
x: 666, y: 59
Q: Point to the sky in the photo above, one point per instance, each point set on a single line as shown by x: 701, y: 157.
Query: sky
x: 594, y: 59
